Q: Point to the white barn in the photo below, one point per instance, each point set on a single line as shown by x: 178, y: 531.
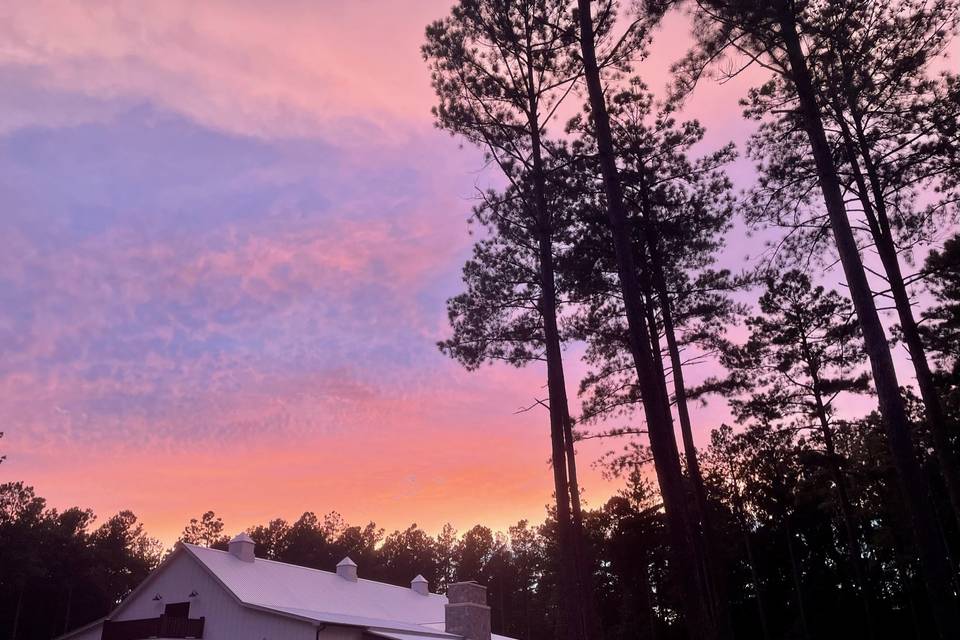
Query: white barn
x: 232, y: 595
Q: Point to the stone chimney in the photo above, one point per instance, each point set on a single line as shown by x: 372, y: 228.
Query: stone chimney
x: 242, y: 547
x: 347, y: 569
x: 467, y: 613
x: 420, y: 585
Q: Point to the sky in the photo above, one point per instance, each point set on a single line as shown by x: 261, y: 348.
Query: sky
x: 227, y: 236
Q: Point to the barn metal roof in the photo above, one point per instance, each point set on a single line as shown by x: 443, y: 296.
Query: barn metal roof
x: 323, y: 596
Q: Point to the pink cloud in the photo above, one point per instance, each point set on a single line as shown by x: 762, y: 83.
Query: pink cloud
x: 307, y: 69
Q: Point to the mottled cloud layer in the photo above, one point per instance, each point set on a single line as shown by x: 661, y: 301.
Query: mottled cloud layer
x: 227, y: 236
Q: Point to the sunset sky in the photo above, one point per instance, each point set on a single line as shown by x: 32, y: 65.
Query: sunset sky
x: 228, y: 232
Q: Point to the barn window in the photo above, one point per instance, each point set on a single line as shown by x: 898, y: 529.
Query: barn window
x: 177, y: 610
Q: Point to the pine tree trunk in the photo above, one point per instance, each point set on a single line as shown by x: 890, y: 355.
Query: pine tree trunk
x: 527, y: 619
x: 556, y: 391
x: 704, y: 573
x: 702, y: 507
x: 755, y: 577
x: 647, y: 589
x: 663, y: 443
x: 846, y: 508
x: 578, y: 605
x: 797, y: 581
x: 66, y: 615
x: 556, y: 388
x: 901, y: 562
x: 576, y: 507
x: 592, y: 624
x: 740, y: 512
x: 927, y: 544
x: 879, y: 224
x: 16, y: 614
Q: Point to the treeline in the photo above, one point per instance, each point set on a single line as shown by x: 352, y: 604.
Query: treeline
x: 61, y: 571
x: 607, y: 233
x: 58, y: 570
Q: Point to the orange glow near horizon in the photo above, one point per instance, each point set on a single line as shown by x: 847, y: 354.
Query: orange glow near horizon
x: 403, y: 463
